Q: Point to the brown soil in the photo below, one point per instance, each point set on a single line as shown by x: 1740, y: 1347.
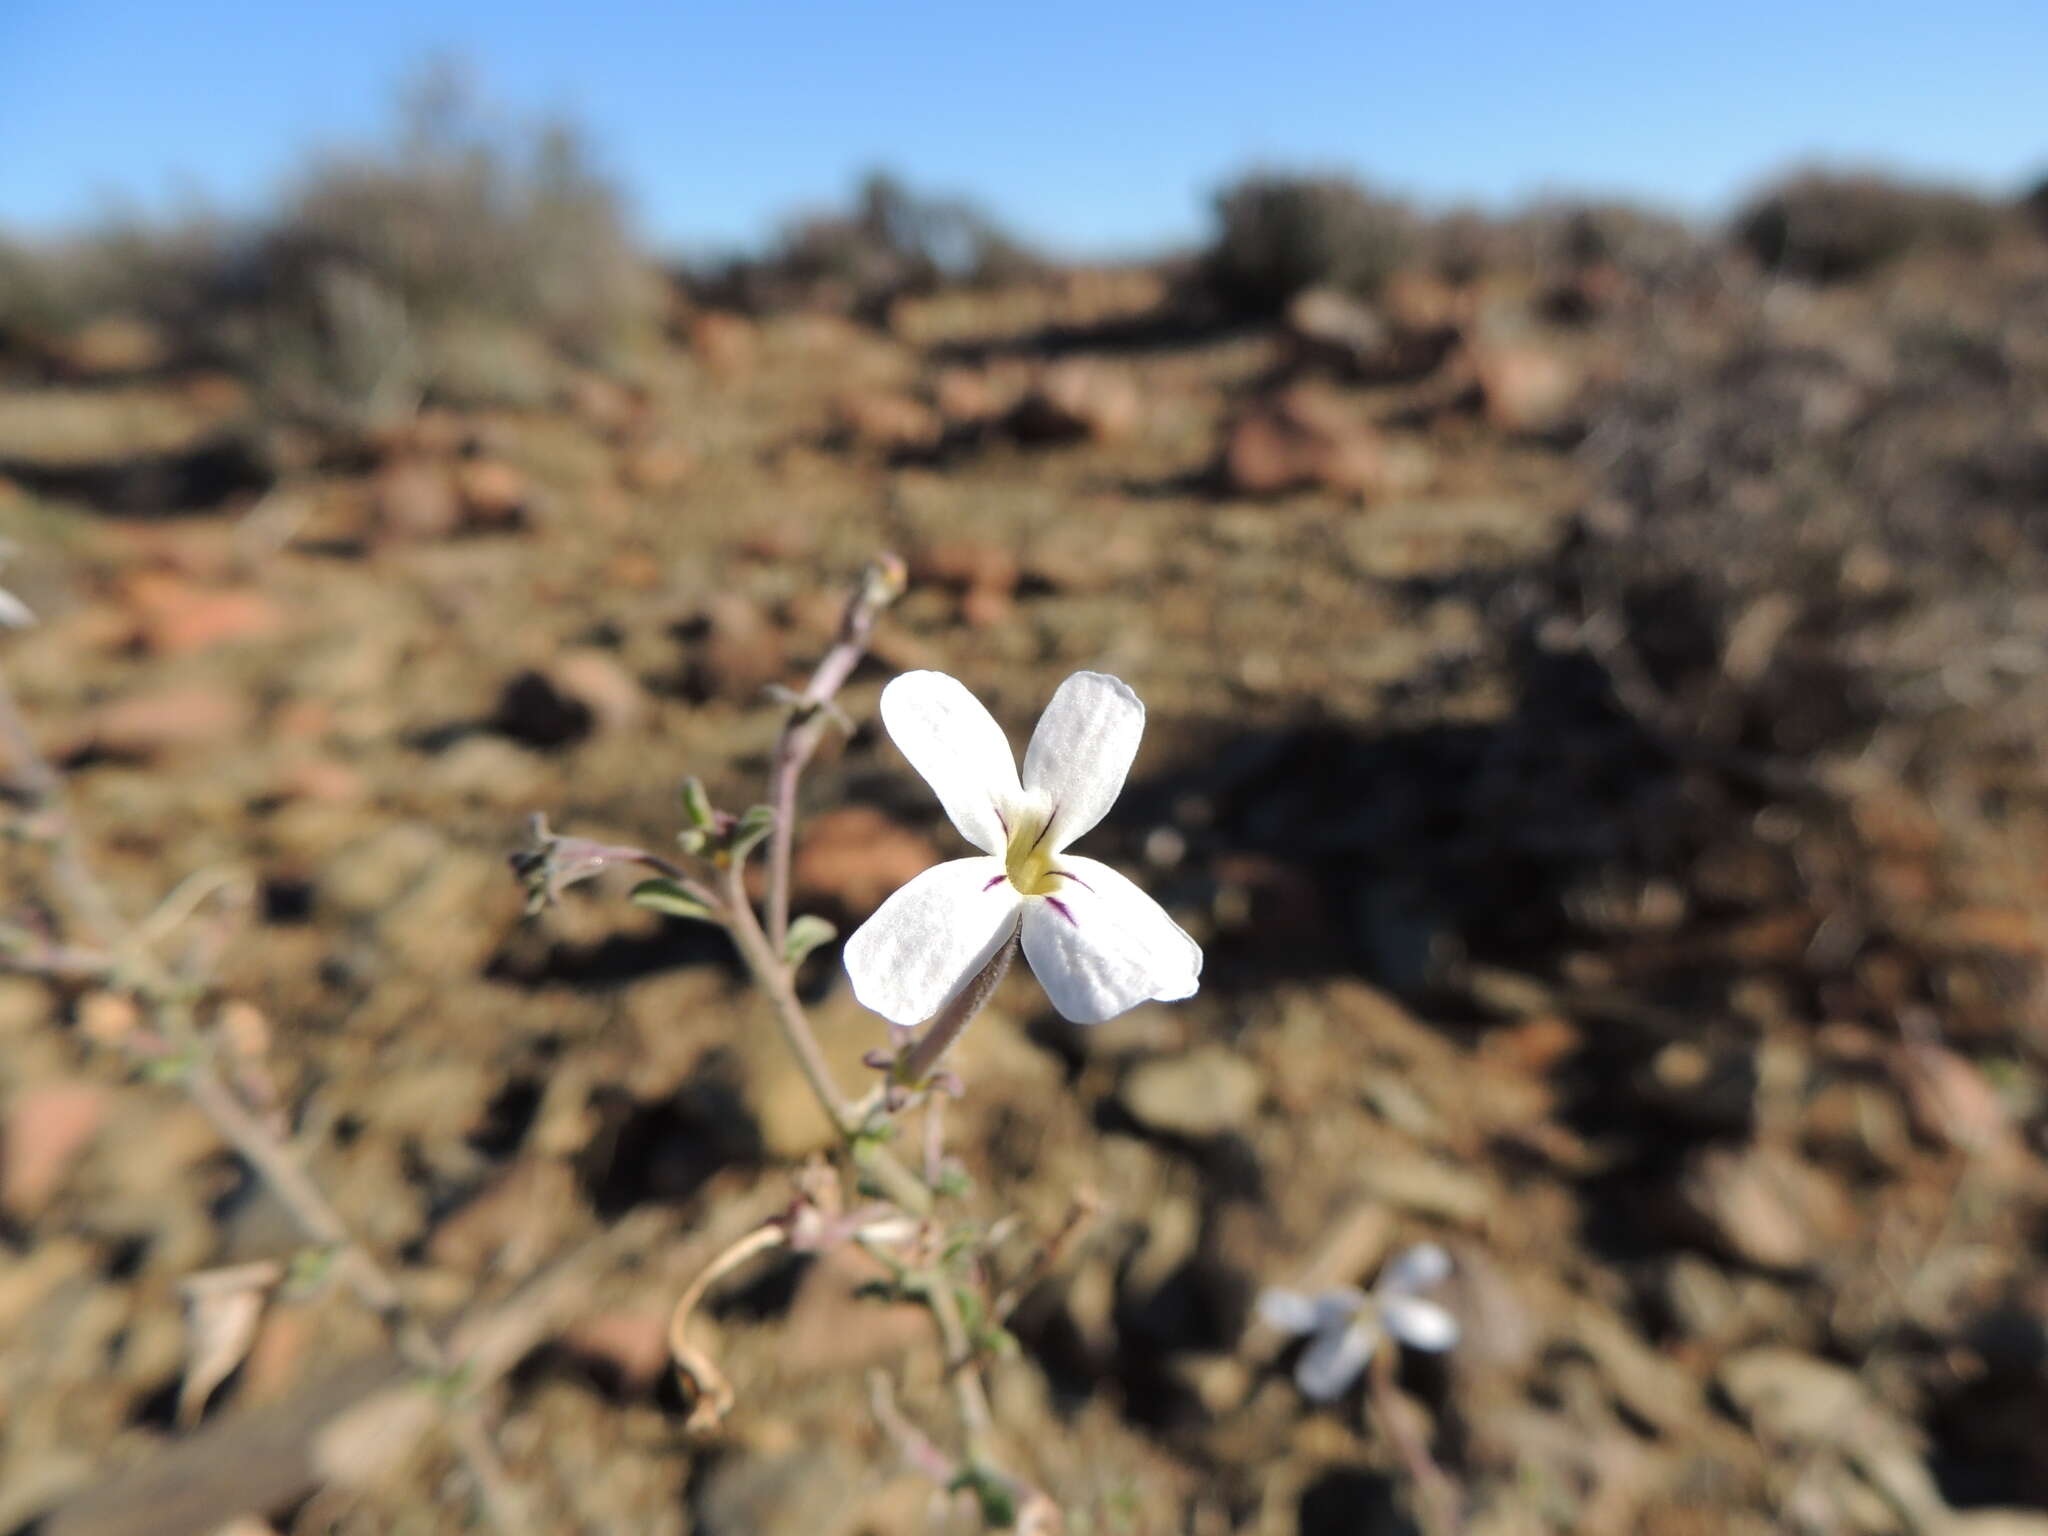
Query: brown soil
x: 1692, y: 998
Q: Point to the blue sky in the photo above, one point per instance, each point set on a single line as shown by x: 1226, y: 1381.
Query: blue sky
x: 1099, y: 128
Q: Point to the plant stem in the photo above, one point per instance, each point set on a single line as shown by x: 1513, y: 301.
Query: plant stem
x: 946, y: 1025
x: 962, y: 1374
x: 880, y: 584
x: 772, y: 974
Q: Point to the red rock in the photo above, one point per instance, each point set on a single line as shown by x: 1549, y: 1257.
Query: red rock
x: 175, y: 616
x: 774, y: 542
x: 986, y: 607
x: 1524, y: 388
x: 727, y: 344
x: 984, y: 574
x: 218, y: 394
x: 1415, y: 302
x: 114, y: 345
x: 606, y: 404
x: 2012, y: 931
x: 493, y: 493
x: 633, y: 570
x: 1950, y: 1099
x: 614, y: 697
x: 48, y: 1128
x: 835, y: 1325
x: 145, y: 725
x: 1300, y: 439
x: 323, y: 780
x: 415, y: 498
x: 965, y: 564
x: 967, y: 398
x: 887, y: 421
x: 1076, y: 400
x: 743, y: 651
x: 108, y: 1018
x: 656, y: 467
x: 631, y: 1346
x: 1764, y: 1206
x: 855, y: 857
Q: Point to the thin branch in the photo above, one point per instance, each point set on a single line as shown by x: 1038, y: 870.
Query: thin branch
x: 1080, y: 1216
x: 772, y: 974
x: 1441, y: 1507
x: 44, y: 788
x: 713, y: 1393
x: 128, y: 957
x: 963, y: 1374
x: 880, y: 585
x: 919, y: 1451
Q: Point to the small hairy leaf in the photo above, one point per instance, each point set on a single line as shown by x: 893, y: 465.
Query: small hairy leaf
x: 696, y: 804
x: 672, y: 898
x: 806, y: 933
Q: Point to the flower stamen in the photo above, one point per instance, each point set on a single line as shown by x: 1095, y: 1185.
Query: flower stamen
x: 1027, y: 861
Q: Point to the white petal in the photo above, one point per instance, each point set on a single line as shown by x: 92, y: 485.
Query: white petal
x: 1334, y: 1359
x: 1414, y: 1269
x: 1081, y: 751
x: 929, y: 939
x: 1100, y: 945
x: 1417, y: 1323
x: 1289, y: 1311
x: 959, y: 749
x: 1301, y: 1312
x: 14, y: 613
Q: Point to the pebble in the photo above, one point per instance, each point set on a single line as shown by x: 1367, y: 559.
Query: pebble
x: 1204, y: 1093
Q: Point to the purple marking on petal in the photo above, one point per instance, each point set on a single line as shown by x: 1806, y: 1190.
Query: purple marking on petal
x: 1061, y: 907
x: 1067, y: 874
x: 1050, y: 818
x: 998, y: 880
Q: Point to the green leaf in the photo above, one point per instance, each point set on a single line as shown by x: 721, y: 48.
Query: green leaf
x: 954, y: 1182
x: 308, y: 1271
x: 755, y: 824
x: 673, y: 898
x: 998, y: 1502
x: 697, y: 804
x: 806, y: 933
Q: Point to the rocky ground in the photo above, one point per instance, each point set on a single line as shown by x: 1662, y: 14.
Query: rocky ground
x: 1596, y: 727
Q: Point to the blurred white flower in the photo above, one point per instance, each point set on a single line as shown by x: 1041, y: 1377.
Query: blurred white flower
x: 1344, y: 1326
x: 14, y: 613
x: 1098, y: 944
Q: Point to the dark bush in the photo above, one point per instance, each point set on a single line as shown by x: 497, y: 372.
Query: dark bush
x: 1281, y: 234
x: 463, y: 258
x: 892, y: 243
x: 1829, y: 226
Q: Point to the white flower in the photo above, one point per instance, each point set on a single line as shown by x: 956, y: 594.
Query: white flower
x: 1098, y: 944
x: 1344, y: 1326
x: 14, y: 613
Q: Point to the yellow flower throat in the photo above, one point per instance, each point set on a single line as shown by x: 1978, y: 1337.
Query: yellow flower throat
x: 1028, y: 859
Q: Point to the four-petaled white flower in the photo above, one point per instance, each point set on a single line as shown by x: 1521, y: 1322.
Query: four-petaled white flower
x: 1344, y: 1326
x: 1098, y: 944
